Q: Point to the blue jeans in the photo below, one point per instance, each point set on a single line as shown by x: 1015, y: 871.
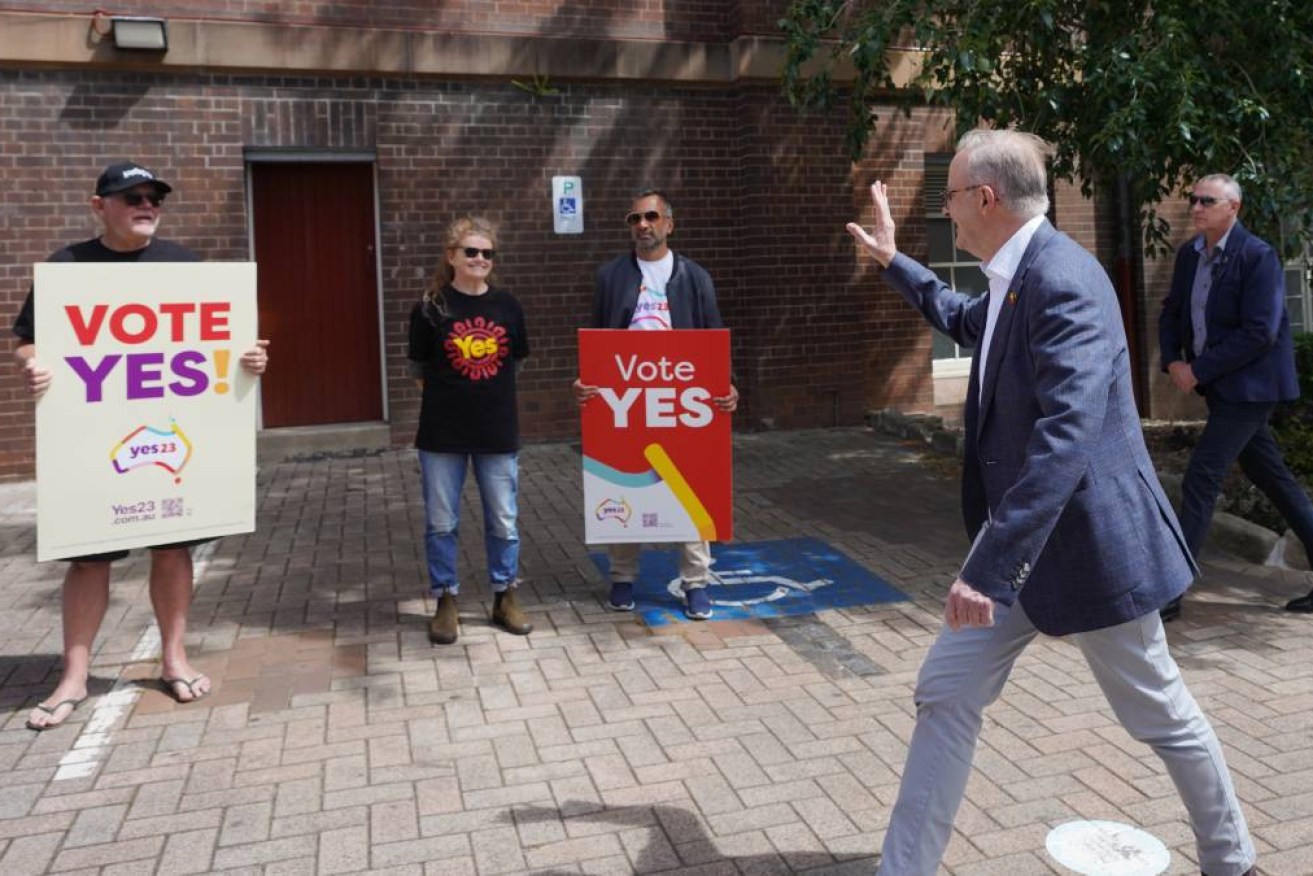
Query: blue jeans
x: 1239, y: 431
x: 498, y: 477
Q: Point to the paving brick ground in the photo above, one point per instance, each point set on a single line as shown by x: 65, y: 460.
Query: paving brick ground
x: 339, y: 741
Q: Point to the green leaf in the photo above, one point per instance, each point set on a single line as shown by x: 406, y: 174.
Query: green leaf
x: 1154, y: 90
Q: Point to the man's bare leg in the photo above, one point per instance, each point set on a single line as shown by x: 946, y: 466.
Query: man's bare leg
x: 85, y: 598
x: 170, y: 594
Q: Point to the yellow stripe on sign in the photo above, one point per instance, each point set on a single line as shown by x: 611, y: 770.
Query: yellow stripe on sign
x: 666, y: 469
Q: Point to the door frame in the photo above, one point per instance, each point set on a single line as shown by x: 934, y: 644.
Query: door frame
x: 292, y: 155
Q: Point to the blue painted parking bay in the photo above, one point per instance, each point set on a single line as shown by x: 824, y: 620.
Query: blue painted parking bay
x: 757, y: 580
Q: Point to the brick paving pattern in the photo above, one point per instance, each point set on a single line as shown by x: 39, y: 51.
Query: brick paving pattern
x: 339, y: 741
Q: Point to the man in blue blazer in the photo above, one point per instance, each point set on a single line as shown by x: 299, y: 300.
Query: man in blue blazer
x: 1225, y: 334
x: 1072, y: 535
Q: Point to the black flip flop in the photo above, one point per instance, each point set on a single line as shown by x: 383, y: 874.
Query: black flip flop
x: 190, y: 685
x: 51, y: 710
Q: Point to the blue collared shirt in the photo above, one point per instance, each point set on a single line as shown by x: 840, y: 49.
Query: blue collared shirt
x: 1203, y: 284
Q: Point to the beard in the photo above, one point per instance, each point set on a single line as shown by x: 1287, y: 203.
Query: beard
x: 648, y: 242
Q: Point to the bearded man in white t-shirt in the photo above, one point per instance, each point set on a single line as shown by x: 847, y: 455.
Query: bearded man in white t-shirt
x: 654, y: 288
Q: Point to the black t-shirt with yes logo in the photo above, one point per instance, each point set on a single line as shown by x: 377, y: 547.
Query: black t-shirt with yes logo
x: 468, y: 360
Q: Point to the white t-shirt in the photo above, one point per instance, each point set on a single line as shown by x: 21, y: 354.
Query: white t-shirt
x: 652, y: 312
x: 1000, y: 270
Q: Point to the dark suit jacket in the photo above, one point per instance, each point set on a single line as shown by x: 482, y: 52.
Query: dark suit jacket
x: 1078, y: 527
x: 1248, y: 354
x: 690, y: 292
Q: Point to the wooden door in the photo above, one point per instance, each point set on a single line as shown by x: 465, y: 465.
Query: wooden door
x: 315, y: 250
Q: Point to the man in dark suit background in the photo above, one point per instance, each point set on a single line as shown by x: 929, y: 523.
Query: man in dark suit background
x: 1072, y: 533
x: 1225, y: 334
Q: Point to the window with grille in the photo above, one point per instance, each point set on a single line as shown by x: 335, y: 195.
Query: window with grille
x: 956, y: 267
x: 1297, y: 297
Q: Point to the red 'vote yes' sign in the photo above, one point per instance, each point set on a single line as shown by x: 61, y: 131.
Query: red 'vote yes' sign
x: 657, y: 452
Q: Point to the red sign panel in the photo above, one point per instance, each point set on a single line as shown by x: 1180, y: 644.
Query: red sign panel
x: 658, y: 463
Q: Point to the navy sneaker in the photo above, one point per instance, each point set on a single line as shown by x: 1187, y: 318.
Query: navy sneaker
x: 1303, y: 605
x: 622, y: 596
x: 697, y: 603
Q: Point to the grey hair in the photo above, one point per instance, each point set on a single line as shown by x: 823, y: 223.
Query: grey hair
x: 1227, y: 182
x: 1012, y: 163
x: 666, y: 207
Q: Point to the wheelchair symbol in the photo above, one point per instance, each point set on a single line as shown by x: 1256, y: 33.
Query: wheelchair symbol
x: 747, y: 581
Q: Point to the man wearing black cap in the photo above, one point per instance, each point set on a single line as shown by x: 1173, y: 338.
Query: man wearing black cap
x: 127, y: 202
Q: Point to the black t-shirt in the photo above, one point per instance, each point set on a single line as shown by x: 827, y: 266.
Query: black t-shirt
x: 468, y: 359
x: 95, y: 251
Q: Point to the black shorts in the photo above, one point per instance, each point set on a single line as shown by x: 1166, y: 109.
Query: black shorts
x: 111, y: 556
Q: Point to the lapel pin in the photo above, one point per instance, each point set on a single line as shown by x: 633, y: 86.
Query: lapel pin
x: 1012, y: 297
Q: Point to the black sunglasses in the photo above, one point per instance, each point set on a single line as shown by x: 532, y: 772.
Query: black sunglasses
x: 474, y: 251
x: 634, y: 218
x: 1206, y: 200
x: 136, y: 199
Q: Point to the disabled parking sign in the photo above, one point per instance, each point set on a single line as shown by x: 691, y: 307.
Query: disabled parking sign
x: 757, y: 580
x: 567, y: 205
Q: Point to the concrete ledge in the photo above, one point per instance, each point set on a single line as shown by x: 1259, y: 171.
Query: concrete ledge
x: 927, y: 428
x: 317, y: 442
x: 1229, y: 533
x: 69, y: 39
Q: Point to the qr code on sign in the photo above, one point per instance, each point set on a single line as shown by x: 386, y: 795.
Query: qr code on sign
x: 171, y: 508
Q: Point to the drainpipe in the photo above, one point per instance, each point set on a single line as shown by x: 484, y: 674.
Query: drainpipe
x: 1124, y: 276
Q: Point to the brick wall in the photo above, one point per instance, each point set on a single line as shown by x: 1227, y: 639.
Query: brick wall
x: 758, y: 16
x: 1096, y: 225
x: 761, y: 195
x: 832, y: 340
x: 1165, y: 401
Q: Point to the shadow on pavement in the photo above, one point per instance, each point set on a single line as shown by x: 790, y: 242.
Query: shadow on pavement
x: 677, y: 840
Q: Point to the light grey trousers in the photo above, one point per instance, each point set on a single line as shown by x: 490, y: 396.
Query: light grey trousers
x: 965, y: 672
x: 694, y: 562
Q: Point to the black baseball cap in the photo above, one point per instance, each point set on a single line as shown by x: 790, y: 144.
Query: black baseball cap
x: 125, y: 175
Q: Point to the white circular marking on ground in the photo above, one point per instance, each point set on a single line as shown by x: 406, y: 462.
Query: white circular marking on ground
x: 1106, y: 848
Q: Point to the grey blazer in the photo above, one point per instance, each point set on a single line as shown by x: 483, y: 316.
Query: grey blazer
x: 1058, y: 491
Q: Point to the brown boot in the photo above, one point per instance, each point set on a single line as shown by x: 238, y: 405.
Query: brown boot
x: 444, y: 626
x: 507, y: 614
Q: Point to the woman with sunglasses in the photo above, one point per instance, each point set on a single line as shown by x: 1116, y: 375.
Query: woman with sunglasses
x: 467, y: 340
